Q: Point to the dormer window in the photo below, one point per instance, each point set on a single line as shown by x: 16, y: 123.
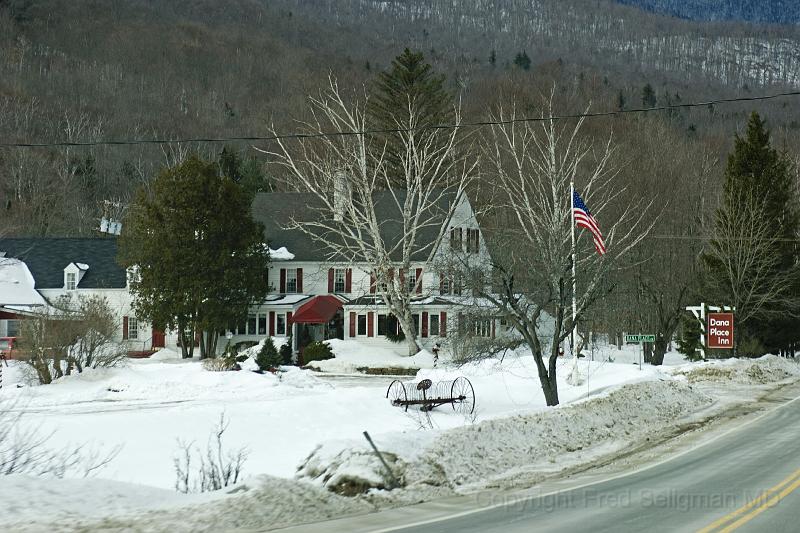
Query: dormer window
x: 73, y: 274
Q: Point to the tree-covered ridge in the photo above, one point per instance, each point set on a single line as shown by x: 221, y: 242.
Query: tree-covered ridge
x: 761, y: 11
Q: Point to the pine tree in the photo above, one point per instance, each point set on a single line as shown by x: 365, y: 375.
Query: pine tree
x: 648, y: 96
x: 620, y: 101
x: 268, y: 357
x: 198, y: 256
x: 408, y: 95
x: 689, y: 338
x: 523, y: 61
x: 757, y: 172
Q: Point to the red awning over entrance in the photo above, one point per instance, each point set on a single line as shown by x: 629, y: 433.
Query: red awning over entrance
x: 318, y: 310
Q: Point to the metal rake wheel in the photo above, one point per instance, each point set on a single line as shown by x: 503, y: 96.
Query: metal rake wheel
x: 397, y: 394
x: 463, y: 396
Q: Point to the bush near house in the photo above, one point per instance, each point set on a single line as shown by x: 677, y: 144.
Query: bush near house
x: 317, y: 351
x: 268, y: 357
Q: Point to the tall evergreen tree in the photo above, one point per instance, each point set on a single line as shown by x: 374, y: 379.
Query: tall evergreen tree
x: 523, y: 61
x: 199, y: 257
x: 409, y: 95
x: 760, y: 175
x: 648, y: 96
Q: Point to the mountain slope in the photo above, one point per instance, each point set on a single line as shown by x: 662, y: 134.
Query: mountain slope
x: 762, y: 11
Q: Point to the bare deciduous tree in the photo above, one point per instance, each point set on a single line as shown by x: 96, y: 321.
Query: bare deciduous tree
x: 533, y: 164
x: 359, y: 217
x: 746, y: 268
x: 70, y: 335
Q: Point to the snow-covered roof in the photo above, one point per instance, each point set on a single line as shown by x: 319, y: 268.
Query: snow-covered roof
x: 281, y: 254
x: 82, y: 266
x: 17, y: 286
x: 286, y: 299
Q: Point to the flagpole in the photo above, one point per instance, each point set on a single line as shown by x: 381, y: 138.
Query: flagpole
x: 574, y: 269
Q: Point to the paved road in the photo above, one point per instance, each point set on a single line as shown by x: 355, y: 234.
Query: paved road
x: 747, y: 480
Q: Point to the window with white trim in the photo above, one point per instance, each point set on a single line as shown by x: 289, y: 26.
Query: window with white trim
x: 482, y: 328
x: 456, y: 238
x: 71, y: 282
x: 445, y: 285
x: 473, y: 241
x: 262, y: 323
x: 252, y: 321
x: 133, y: 327
x: 411, y: 279
x: 280, y: 324
x: 339, y: 276
x: 362, y: 326
x: 291, y: 280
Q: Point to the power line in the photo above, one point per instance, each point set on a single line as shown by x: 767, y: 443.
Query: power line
x: 717, y: 238
x: 478, y: 124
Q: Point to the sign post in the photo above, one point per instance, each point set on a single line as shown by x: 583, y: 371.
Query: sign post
x: 720, y: 331
x: 639, y: 339
x: 721, y: 315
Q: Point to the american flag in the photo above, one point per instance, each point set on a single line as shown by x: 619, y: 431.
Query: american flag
x: 584, y: 219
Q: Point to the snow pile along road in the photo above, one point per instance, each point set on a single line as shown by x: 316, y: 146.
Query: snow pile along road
x: 497, y: 451
x: 766, y: 369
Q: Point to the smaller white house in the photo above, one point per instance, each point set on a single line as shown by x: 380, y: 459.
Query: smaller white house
x: 78, y: 268
x: 18, y: 295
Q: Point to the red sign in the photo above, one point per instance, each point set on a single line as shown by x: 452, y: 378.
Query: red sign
x: 720, y: 330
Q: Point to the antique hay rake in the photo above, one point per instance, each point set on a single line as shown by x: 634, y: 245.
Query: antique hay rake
x: 428, y: 395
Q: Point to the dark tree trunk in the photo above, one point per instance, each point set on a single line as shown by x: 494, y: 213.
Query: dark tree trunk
x: 659, y: 350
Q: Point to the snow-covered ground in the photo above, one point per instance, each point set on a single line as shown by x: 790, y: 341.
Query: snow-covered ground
x: 349, y: 356
x: 299, y: 419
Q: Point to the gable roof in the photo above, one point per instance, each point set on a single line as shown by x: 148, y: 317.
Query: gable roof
x: 276, y: 210
x: 47, y: 258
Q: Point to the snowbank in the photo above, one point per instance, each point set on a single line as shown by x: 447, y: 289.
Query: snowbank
x: 766, y: 369
x: 349, y: 356
x: 87, y: 498
x: 265, y: 501
x: 484, y: 453
x: 165, y: 354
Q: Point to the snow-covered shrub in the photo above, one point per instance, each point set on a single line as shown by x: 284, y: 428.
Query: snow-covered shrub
x: 268, y: 357
x: 317, y: 351
x: 220, y: 364
x: 212, y: 470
